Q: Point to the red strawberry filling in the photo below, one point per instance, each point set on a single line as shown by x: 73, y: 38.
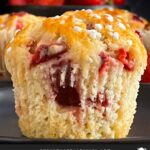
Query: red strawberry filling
x: 48, y: 2
x: 68, y: 96
x: 105, y: 63
x: 124, y: 57
x: 19, y: 25
x: 139, y: 34
x: 101, y: 101
x: 137, y: 18
x: 46, y: 52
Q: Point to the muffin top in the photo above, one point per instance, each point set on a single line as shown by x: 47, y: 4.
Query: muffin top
x: 17, y: 20
x: 136, y: 22
x: 3, y: 18
x: 84, y: 36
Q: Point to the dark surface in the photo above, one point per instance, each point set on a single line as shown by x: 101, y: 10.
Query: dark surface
x: 49, y: 10
x: 141, y: 7
x: 9, y: 130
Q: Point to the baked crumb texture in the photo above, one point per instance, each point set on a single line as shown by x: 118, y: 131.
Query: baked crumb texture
x: 76, y: 76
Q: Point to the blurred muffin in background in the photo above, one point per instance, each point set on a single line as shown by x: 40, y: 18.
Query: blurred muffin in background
x: 3, y: 19
x: 10, y: 25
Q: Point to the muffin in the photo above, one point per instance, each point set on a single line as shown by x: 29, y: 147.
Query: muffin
x: 3, y: 18
x: 10, y: 24
x: 71, y: 76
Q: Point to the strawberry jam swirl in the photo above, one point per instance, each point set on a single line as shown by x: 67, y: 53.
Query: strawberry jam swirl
x: 44, y: 52
x: 19, y: 25
x: 105, y: 63
x: 126, y: 59
x: 123, y: 56
x: 137, y: 18
x: 139, y: 35
x: 64, y: 76
x: 100, y: 101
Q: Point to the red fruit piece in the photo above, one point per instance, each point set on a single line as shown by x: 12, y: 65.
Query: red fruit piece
x: 68, y: 96
x: 87, y: 2
x: 146, y: 76
x: 139, y: 34
x: 48, y: 2
x: 19, y: 25
x: 124, y: 57
x: 137, y: 18
x: 103, y: 102
x: 42, y: 54
x: 17, y: 2
x: 119, y: 2
x: 105, y: 63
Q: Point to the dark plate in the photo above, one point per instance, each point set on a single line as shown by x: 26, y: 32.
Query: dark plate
x: 10, y: 132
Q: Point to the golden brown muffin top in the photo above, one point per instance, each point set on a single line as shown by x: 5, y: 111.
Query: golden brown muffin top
x: 17, y: 20
x: 136, y: 22
x: 86, y: 34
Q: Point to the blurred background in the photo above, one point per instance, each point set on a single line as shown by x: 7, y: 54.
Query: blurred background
x: 57, y: 7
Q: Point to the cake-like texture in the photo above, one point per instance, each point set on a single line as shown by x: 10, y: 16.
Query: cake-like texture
x: 76, y: 76
x: 10, y: 25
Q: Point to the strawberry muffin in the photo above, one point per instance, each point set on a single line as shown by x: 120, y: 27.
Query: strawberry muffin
x: 76, y: 76
x: 10, y: 25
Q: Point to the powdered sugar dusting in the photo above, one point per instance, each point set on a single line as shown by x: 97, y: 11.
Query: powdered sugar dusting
x: 96, y: 16
x: 122, y: 26
x: 109, y: 27
x: 57, y: 17
x: 89, y: 10
x: 77, y: 21
x: 98, y: 26
x: 130, y: 42
x: 111, y: 33
x: 94, y: 34
x: 116, y: 35
x: 109, y: 17
x: 62, y: 22
x: 110, y: 8
x: 77, y: 29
